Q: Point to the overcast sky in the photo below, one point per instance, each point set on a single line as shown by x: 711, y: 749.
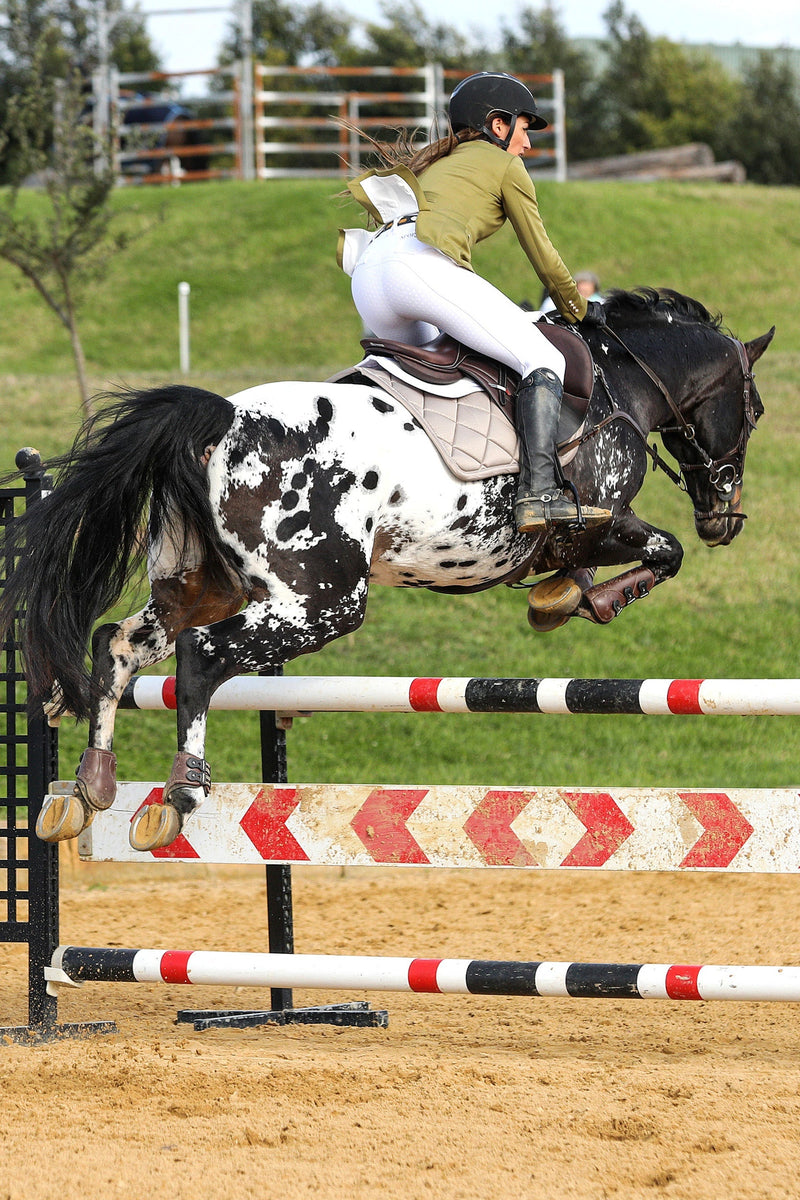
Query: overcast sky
x: 191, y: 42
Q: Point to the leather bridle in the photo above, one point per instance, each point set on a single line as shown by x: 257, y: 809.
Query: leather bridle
x: 725, y: 473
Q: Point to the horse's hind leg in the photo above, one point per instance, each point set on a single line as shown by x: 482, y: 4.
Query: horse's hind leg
x: 253, y: 640
x: 119, y: 650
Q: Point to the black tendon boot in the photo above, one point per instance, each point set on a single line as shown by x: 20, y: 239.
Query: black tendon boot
x: 540, y: 499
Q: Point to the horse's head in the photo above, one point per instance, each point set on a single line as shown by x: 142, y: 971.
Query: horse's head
x: 711, y: 404
x: 711, y: 450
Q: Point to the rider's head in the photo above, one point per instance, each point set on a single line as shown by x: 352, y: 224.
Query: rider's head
x: 481, y: 97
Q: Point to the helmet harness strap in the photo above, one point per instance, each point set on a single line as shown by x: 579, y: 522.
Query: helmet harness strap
x: 488, y: 133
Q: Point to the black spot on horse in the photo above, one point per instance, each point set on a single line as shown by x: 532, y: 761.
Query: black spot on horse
x: 448, y: 564
x: 370, y: 481
x: 461, y: 502
x: 252, y: 431
x: 299, y: 480
x: 459, y: 523
x: 287, y: 528
x: 275, y: 429
x: 322, y: 425
x: 381, y: 405
x: 368, y: 524
x: 290, y: 500
x: 397, y: 497
x: 409, y: 426
x: 325, y: 409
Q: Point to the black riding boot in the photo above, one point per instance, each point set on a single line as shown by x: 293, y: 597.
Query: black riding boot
x: 540, y: 499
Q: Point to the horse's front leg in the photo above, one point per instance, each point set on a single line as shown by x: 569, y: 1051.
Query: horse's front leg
x: 572, y: 592
x: 629, y: 540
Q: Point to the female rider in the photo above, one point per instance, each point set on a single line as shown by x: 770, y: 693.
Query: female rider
x: 414, y: 278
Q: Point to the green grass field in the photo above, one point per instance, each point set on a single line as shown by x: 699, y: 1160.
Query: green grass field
x: 268, y: 303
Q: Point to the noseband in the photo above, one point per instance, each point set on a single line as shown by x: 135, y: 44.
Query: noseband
x: 724, y: 473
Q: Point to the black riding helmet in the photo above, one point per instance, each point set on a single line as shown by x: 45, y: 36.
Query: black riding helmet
x: 479, y: 96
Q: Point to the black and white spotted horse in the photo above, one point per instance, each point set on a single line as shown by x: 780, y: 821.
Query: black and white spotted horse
x: 271, y: 513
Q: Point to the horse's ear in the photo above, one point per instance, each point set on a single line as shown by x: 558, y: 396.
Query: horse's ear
x: 758, y: 345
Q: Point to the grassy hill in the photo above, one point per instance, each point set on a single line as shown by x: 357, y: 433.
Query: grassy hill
x: 268, y: 302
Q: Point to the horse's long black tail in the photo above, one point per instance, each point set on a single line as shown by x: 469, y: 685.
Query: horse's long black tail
x: 78, y: 546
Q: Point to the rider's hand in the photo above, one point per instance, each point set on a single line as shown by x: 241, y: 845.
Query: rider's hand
x: 595, y: 313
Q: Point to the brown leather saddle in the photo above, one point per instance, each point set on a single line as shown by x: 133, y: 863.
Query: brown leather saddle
x: 446, y: 359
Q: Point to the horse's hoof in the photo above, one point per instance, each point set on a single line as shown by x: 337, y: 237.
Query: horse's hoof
x: 62, y: 818
x: 558, y: 596
x: 155, y: 826
x: 545, y: 622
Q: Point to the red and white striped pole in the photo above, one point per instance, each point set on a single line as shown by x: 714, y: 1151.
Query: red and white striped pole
x: 72, y: 965
x: 334, y: 693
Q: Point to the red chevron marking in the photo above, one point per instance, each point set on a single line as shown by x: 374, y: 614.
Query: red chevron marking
x: 489, y: 829
x: 607, y: 828
x: 725, y: 829
x: 265, y: 825
x: 380, y: 824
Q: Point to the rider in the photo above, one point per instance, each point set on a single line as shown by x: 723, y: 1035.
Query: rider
x: 414, y: 278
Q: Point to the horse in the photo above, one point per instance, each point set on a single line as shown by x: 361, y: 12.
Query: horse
x: 272, y: 511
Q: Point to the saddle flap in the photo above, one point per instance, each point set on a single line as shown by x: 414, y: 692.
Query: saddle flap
x: 579, y: 371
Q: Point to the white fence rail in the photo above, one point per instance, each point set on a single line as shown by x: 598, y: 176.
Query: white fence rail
x: 288, y: 122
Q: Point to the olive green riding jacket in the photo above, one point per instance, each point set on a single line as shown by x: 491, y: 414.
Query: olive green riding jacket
x: 461, y: 199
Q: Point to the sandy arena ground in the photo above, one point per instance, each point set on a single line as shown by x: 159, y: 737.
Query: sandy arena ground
x: 462, y: 1097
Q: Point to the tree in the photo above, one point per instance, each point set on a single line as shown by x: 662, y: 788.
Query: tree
x: 763, y: 132
x: 409, y: 39
x: 537, y: 43
x: 58, y: 239
x: 654, y: 93
x: 56, y: 37
x: 292, y: 35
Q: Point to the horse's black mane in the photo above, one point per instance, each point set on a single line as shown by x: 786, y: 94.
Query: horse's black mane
x: 646, y: 302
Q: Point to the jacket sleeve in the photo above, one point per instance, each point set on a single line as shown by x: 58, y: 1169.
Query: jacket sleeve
x: 521, y: 207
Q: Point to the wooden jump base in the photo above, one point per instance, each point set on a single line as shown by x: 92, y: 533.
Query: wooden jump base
x: 628, y: 829
x: 654, y: 697
x: 73, y: 965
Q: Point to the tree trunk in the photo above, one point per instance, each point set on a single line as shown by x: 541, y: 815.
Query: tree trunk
x: 87, y: 407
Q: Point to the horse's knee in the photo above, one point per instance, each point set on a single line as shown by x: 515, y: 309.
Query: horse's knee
x: 663, y: 553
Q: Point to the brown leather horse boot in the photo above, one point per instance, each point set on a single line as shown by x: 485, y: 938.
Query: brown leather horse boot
x: 540, y: 499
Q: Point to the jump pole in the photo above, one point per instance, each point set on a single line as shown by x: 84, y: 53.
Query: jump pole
x: 292, y: 695
x: 73, y: 965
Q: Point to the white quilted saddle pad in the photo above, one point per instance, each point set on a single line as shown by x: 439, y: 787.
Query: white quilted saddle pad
x: 474, y: 436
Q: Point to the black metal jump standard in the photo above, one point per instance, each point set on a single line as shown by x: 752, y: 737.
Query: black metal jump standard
x: 28, y: 763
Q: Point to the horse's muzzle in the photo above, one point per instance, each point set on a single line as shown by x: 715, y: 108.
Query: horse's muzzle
x: 721, y: 524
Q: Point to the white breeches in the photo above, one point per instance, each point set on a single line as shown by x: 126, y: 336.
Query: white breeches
x: 410, y: 292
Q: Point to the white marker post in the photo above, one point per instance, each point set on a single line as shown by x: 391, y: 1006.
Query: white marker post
x: 183, y: 325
